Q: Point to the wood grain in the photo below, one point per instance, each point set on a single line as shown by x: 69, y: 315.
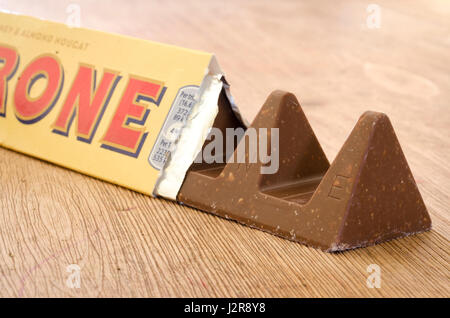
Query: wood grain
x: 128, y: 244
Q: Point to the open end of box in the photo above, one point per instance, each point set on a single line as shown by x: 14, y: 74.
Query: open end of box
x: 225, y: 118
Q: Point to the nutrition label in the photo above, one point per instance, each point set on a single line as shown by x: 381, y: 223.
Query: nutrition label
x: 175, y: 121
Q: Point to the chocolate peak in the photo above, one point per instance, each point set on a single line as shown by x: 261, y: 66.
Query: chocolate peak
x: 301, y: 156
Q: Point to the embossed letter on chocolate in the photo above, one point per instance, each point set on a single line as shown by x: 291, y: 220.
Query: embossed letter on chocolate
x: 368, y: 194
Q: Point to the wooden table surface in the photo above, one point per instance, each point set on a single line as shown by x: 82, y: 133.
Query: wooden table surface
x: 128, y: 244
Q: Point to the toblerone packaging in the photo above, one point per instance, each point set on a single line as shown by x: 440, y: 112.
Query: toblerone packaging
x: 128, y: 111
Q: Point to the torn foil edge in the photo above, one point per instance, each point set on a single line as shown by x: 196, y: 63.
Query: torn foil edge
x: 194, y: 133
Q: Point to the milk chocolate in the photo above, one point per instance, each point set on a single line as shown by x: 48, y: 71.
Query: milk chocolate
x: 366, y: 196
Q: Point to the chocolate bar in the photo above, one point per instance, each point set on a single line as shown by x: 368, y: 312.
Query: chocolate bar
x: 366, y: 196
x: 138, y: 117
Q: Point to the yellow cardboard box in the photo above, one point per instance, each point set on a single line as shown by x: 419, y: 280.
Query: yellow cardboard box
x: 105, y: 105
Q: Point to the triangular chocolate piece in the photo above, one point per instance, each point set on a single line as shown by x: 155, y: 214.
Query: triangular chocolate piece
x: 301, y: 156
x: 385, y: 202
